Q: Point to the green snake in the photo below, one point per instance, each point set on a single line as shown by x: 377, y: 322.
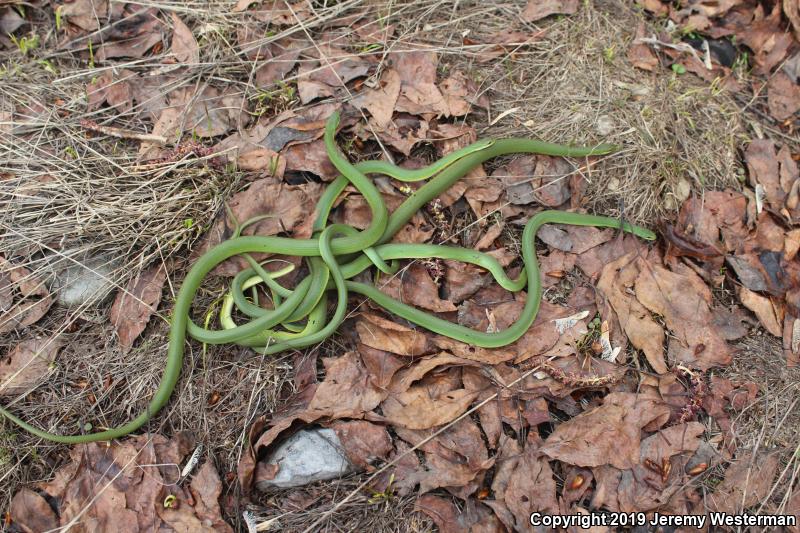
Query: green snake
x: 335, y: 255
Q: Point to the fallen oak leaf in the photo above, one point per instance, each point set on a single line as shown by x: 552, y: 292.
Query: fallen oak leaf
x: 32, y: 303
x: 363, y: 442
x: 606, y: 435
x: 684, y: 300
x: 27, y: 364
x: 414, y: 286
x: 134, y: 305
x: 640, y: 54
x: 184, y: 45
x: 746, y: 483
x: 380, y: 101
x: 449, y: 519
x: 643, y: 332
x: 30, y: 512
x: 418, y: 408
x: 783, y: 97
x: 769, y: 315
x: 382, y: 334
x: 539, y: 9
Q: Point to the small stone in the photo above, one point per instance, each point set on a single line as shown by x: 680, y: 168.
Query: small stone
x: 307, y: 456
x: 605, y: 125
x: 92, y: 280
x: 682, y: 190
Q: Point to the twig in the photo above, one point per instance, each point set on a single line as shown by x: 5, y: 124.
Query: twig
x: 123, y: 133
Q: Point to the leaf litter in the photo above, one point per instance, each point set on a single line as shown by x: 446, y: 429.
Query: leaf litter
x: 620, y: 433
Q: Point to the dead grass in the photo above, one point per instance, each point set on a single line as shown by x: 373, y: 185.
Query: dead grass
x: 575, y: 85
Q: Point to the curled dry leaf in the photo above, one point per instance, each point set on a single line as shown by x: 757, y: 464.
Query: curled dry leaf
x: 414, y: 286
x: 419, y: 94
x: 783, y: 97
x: 137, y: 475
x: 115, y: 88
x: 435, y: 400
x: 289, y: 209
x: 608, y: 434
x: 184, y: 45
x: 639, y: 54
x: 32, y: 298
x: 381, y: 100
x: 747, y: 482
x: 382, y: 334
x: 640, y: 328
x: 684, y: 300
x: 456, y: 458
x: 133, y: 306
x: 347, y: 390
x: 539, y: 9
x: 769, y: 313
x: 659, y: 474
x: 363, y: 441
x: 450, y: 519
x: 27, y: 364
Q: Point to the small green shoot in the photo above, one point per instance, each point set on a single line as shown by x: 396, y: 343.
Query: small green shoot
x: 385, y: 496
x: 25, y: 44
x: 678, y: 69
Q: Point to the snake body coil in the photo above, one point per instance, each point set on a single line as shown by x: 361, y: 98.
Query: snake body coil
x: 298, y: 317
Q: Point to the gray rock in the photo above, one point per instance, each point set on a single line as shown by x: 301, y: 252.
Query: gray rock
x: 90, y: 281
x: 307, y: 456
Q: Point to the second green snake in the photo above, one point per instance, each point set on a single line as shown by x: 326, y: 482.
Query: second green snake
x: 335, y: 254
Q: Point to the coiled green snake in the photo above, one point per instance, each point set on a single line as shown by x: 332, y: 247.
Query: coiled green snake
x: 337, y: 253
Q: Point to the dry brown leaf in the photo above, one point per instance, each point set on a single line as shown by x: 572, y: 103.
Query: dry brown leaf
x: 282, y: 58
x: 381, y: 365
x: 137, y: 475
x: 403, y: 379
x: 539, y: 9
x: 460, y: 94
x: 419, y: 94
x: 645, y: 487
x: 474, y: 517
x: 381, y: 100
x: 770, y: 316
x: 639, y: 54
x: 328, y: 74
x: 382, y: 334
x: 272, y: 163
x: 133, y: 306
x: 33, y: 299
x: 142, y: 30
x: 86, y: 14
x: 31, y: 513
x: 762, y: 167
x: 311, y: 157
x: 27, y: 364
x: 276, y: 12
x: 432, y: 402
x: 114, y: 88
x: 684, y: 300
x: 768, y: 40
x: 608, y: 434
x: 184, y: 45
x: 643, y: 332
x: 290, y: 209
x: 414, y: 286
x: 783, y: 97
x: 523, y: 483
x: 347, y: 391
x: 363, y: 442
x: 456, y: 458
x: 747, y: 482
